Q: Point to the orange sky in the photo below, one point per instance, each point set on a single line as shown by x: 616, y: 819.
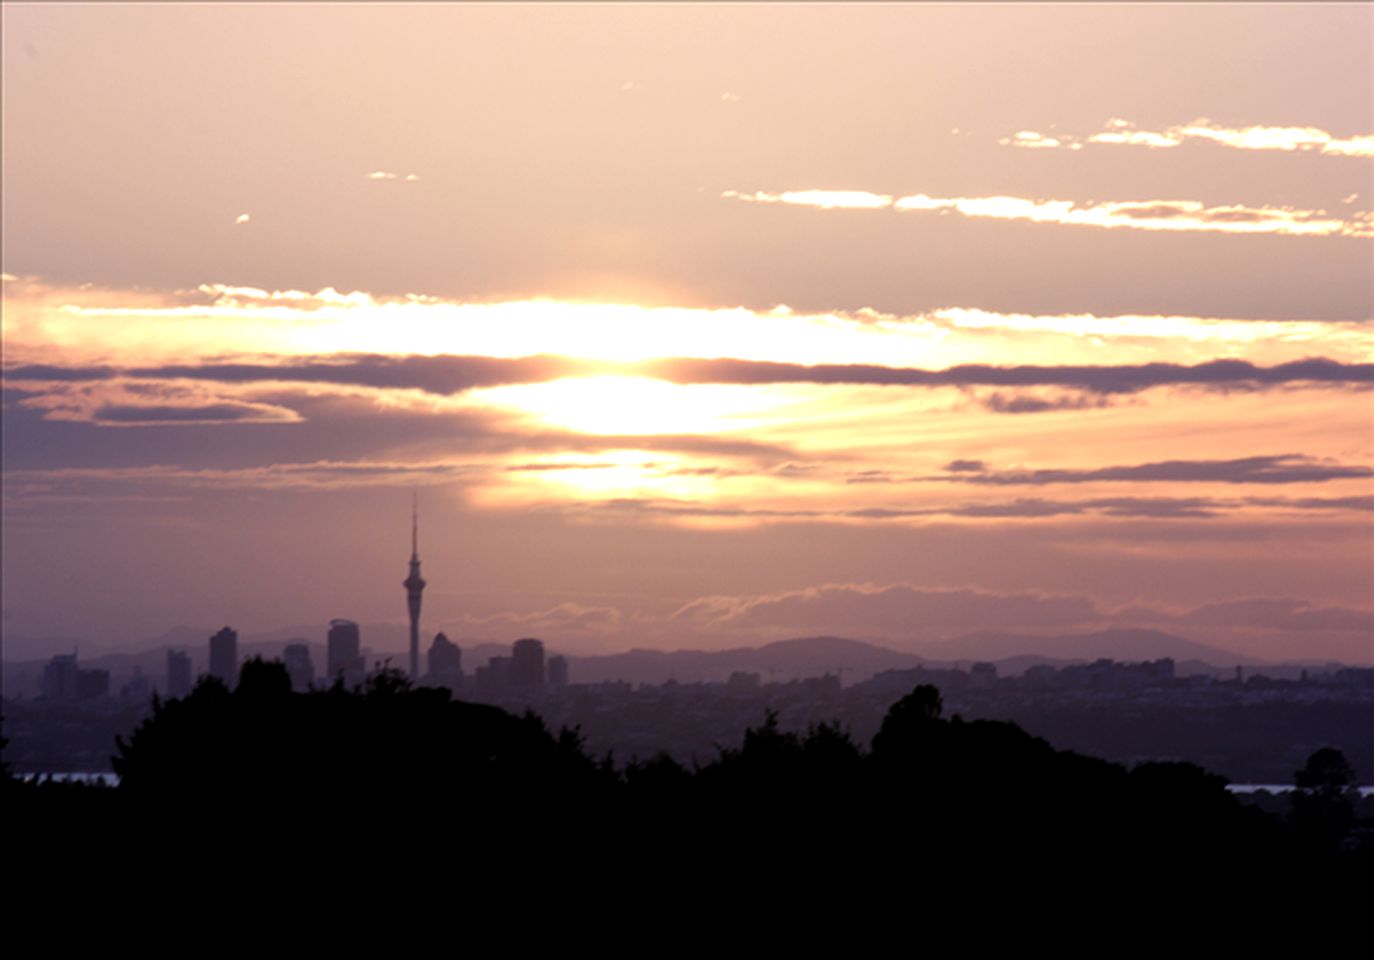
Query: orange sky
x: 691, y: 325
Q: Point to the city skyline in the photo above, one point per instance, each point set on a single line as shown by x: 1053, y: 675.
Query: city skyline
x: 692, y: 326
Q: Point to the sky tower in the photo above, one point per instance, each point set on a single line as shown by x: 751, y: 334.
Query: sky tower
x: 414, y: 585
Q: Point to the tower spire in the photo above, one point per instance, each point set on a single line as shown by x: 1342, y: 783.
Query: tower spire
x: 414, y: 586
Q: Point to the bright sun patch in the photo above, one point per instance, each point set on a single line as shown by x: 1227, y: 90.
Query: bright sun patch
x: 641, y: 406
x: 605, y: 475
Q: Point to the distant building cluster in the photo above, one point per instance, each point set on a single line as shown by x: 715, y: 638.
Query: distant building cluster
x: 527, y: 668
x: 64, y: 680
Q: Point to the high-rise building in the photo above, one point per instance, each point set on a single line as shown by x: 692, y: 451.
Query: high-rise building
x: 445, y: 662
x: 558, y: 671
x: 299, y: 666
x: 60, y: 677
x: 178, y: 674
x: 414, y: 585
x: 64, y: 680
x: 494, y: 677
x: 224, y: 657
x: 343, y: 653
x: 527, y: 663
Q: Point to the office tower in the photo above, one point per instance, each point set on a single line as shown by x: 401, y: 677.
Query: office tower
x: 343, y: 653
x: 527, y: 663
x: 445, y: 662
x: 299, y: 666
x: 224, y: 657
x: 414, y: 585
x: 178, y: 674
x: 558, y: 671
x: 60, y: 677
x: 494, y: 677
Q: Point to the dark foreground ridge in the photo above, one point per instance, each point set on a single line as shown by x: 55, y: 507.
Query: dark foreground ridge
x: 391, y: 770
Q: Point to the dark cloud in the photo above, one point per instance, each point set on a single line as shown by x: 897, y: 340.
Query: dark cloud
x: 1030, y: 403
x: 1163, y: 507
x: 441, y: 375
x: 1095, y: 379
x: 227, y: 412
x: 448, y: 375
x: 1183, y: 508
x: 895, y: 611
x: 334, y: 428
x: 882, y: 476
x: 560, y: 465
x: 1317, y: 503
x: 1284, y: 468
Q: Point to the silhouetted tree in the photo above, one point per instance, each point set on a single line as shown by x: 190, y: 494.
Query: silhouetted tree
x: 1323, y: 802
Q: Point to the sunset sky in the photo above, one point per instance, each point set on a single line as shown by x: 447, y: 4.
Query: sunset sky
x: 690, y: 325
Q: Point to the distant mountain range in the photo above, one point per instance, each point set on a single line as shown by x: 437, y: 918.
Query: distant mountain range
x: 851, y: 660
x: 785, y: 660
x: 854, y: 660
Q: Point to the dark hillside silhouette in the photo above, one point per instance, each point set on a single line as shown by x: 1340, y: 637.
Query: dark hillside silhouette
x: 952, y: 795
x: 377, y: 746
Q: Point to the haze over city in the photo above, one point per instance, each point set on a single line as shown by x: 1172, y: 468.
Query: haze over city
x: 690, y: 326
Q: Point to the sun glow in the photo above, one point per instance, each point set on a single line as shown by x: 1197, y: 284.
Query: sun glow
x: 615, y: 405
x: 58, y: 325
x: 605, y: 475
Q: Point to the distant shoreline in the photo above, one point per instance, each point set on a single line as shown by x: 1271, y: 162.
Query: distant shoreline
x: 110, y: 778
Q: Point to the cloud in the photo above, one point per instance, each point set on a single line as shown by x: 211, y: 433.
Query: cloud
x: 1365, y: 504
x: 381, y: 175
x: 1283, y: 468
x: 448, y: 375
x: 146, y: 415
x: 155, y: 403
x: 242, y: 218
x: 1256, y: 137
x: 220, y: 321
x: 1029, y: 139
x: 1282, y: 614
x: 559, y: 623
x: 1169, y: 215
x: 1097, y: 379
x: 439, y: 375
x: 898, y: 611
x: 1020, y: 402
x: 823, y: 199
x: 729, y: 97
x: 1121, y: 132
x: 1288, y: 139
x: 1022, y: 508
